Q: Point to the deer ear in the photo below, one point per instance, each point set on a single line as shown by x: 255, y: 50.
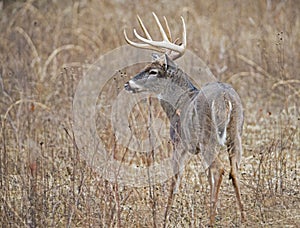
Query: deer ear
x: 169, y: 63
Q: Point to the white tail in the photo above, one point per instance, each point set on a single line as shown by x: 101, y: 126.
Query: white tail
x: 221, y: 127
x: 201, y: 119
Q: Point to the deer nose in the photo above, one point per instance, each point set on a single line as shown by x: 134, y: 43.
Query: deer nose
x: 131, y: 86
x: 127, y: 86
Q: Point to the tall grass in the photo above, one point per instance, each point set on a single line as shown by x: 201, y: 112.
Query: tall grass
x: 45, y: 49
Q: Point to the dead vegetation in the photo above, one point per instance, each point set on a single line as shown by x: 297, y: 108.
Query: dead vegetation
x: 45, y: 49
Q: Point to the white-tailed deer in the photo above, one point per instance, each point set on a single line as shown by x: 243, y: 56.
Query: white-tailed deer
x: 201, y: 120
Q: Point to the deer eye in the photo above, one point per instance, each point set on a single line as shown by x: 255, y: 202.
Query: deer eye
x: 153, y: 72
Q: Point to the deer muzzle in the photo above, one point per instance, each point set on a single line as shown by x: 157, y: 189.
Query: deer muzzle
x: 131, y: 86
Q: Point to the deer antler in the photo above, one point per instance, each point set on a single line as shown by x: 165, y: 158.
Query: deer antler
x: 166, y: 45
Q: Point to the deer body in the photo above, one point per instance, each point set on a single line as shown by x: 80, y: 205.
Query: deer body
x: 201, y: 120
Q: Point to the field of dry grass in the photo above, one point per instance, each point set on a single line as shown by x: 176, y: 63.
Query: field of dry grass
x: 47, y: 46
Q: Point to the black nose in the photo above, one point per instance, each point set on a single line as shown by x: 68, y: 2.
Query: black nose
x: 126, y: 86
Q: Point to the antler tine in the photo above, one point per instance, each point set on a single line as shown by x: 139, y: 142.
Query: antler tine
x: 168, y: 29
x: 162, y: 31
x: 183, y: 34
x: 144, y: 28
x: 182, y: 45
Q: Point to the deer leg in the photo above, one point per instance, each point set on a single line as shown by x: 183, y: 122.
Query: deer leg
x: 170, y: 201
x: 215, y: 174
x: 235, y: 151
x: 178, y: 162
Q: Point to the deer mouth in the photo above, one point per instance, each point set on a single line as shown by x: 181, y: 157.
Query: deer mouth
x: 131, y: 86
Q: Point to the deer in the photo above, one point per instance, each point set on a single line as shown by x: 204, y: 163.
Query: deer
x: 201, y: 120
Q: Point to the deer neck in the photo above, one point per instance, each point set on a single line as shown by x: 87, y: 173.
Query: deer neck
x: 181, y: 79
x: 179, y: 92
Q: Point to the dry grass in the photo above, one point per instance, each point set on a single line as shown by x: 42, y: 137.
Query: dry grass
x: 45, y: 48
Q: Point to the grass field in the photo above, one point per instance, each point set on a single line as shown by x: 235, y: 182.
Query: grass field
x: 46, y: 47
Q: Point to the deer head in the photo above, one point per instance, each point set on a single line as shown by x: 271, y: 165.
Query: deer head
x: 154, y: 76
